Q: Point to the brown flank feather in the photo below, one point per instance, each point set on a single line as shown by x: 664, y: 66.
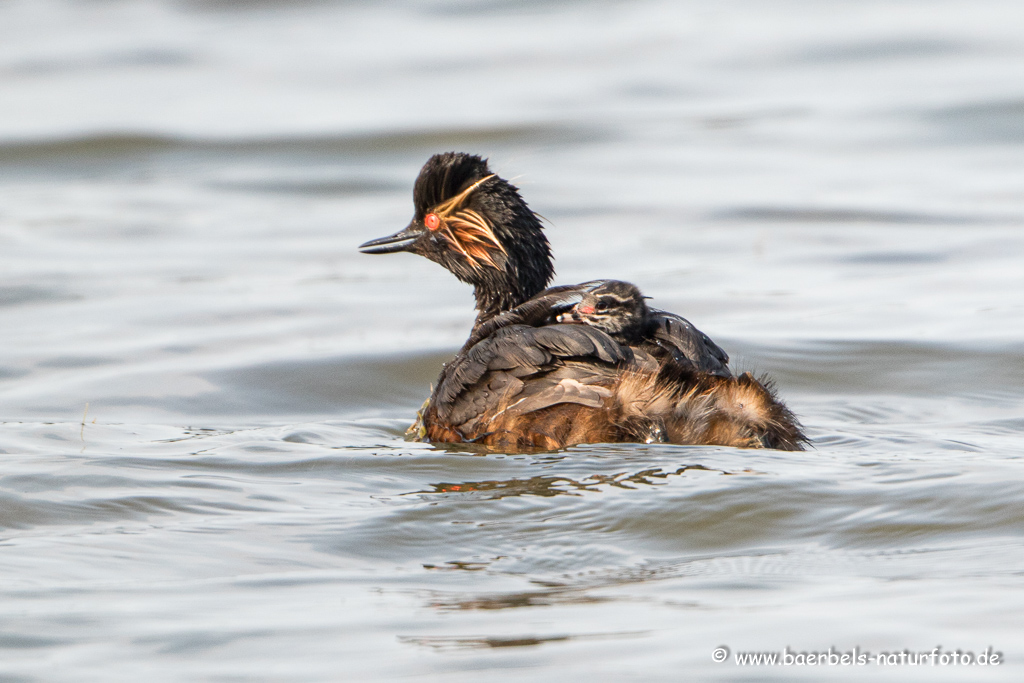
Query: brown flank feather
x: 645, y: 406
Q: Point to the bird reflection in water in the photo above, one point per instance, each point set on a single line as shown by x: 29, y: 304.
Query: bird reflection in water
x: 548, y: 486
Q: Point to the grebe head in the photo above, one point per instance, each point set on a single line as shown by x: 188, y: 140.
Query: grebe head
x: 476, y: 225
x: 615, y: 307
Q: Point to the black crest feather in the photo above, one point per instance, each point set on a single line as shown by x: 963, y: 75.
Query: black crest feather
x: 444, y: 176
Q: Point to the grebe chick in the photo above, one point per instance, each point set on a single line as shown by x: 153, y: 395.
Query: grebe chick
x: 612, y: 306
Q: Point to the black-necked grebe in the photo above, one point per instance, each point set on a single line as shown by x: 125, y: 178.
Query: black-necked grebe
x: 588, y: 363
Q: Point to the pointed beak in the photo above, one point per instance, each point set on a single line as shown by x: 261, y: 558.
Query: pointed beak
x: 400, y: 241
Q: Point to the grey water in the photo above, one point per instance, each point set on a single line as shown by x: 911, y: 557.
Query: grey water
x: 204, y: 387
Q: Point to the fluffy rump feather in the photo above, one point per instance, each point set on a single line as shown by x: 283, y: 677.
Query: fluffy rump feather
x: 700, y: 408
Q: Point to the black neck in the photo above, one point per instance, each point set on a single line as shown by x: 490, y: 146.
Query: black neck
x: 492, y: 301
x: 525, y: 273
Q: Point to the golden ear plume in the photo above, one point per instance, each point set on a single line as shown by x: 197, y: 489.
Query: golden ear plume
x: 468, y: 231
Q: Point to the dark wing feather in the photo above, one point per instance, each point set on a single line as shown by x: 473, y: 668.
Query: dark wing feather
x: 579, y: 341
x: 565, y: 384
x: 687, y: 344
x: 535, y: 312
x: 493, y: 371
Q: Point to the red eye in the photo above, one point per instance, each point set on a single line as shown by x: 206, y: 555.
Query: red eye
x: 432, y: 221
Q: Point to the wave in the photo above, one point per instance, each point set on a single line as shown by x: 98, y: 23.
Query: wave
x: 127, y: 144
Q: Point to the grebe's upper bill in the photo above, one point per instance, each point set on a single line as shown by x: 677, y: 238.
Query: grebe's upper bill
x: 400, y: 241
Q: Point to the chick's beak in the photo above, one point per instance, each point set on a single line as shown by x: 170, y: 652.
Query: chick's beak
x: 400, y: 241
x: 571, y: 316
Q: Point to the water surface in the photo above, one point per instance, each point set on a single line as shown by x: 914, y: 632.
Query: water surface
x: 203, y: 386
